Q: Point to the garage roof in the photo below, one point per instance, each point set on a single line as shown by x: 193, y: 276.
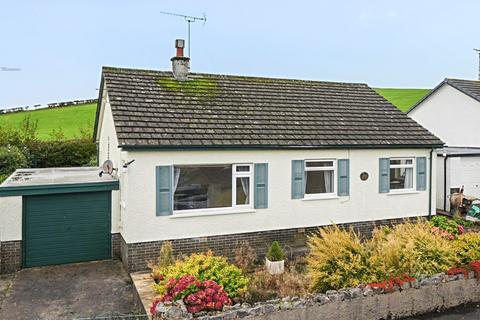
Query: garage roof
x: 57, y: 180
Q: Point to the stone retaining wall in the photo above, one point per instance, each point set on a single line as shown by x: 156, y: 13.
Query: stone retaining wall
x: 422, y: 296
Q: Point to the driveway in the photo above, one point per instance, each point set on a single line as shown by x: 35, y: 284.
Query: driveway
x: 468, y: 312
x: 83, y: 290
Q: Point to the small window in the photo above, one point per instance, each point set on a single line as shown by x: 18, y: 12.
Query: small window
x: 319, y: 177
x: 401, y: 174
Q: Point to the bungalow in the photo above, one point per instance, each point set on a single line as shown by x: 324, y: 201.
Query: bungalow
x: 452, y: 111
x: 207, y: 161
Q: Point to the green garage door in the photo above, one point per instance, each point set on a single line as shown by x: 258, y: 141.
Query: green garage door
x: 66, y: 228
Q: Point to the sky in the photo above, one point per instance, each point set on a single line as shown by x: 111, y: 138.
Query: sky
x: 60, y: 46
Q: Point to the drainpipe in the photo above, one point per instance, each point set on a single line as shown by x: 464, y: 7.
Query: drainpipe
x: 430, y: 186
x: 445, y: 182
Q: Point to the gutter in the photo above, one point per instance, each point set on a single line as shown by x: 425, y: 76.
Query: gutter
x: 270, y: 147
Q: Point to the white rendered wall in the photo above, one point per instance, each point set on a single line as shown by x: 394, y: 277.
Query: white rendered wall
x: 108, y: 149
x: 464, y: 171
x: 364, y: 203
x: 440, y: 184
x: 10, y: 218
x: 450, y: 115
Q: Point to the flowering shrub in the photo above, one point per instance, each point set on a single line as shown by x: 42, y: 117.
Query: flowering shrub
x: 475, y: 266
x: 392, y: 282
x: 443, y: 233
x: 450, y: 226
x: 457, y: 270
x: 206, y: 267
x: 467, y: 247
x: 197, y: 295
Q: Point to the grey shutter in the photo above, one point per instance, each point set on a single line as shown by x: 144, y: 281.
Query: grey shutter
x: 421, y: 173
x: 164, y: 197
x: 384, y: 175
x: 343, y: 177
x: 298, y: 179
x: 261, y: 185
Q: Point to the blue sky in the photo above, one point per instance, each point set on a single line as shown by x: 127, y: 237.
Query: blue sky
x: 60, y: 46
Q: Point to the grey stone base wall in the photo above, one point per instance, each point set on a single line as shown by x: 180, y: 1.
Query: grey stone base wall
x: 10, y: 256
x: 136, y: 256
x: 116, y: 243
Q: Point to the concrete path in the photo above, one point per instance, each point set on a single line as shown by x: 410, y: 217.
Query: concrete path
x: 83, y: 290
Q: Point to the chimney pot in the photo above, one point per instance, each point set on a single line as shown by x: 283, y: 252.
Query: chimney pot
x: 180, y: 64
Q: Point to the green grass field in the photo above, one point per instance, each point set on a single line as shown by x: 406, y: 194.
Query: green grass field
x: 403, y: 99
x: 70, y: 119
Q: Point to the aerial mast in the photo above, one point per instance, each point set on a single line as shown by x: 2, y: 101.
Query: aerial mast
x: 189, y: 20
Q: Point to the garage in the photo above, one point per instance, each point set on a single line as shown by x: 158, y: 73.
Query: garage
x: 66, y: 214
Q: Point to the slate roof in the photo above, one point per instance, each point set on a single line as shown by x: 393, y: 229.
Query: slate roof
x: 469, y: 87
x: 152, y: 110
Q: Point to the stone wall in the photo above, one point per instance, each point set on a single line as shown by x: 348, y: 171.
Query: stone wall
x: 10, y: 256
x: 135, y: 256
x: 422, y: 296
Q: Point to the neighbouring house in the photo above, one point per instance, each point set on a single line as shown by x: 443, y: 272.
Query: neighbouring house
x: 220, y: 159
x: 451, y: 111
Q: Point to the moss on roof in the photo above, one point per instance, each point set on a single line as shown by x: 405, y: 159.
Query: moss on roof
x: 199, y: 88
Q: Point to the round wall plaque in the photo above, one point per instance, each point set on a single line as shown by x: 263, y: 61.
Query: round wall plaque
x: 363, y: 176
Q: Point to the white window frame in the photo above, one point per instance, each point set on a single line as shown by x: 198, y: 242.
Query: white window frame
x: 321, y: 195
x: 234, y: 174
x: 401, y: 166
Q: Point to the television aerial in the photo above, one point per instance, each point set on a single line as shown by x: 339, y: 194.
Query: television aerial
x: 189, y: 20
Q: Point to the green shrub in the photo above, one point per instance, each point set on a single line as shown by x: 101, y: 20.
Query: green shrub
x: 444, y: 223
x: 63, y: 153
x: 410, y: 248
x: 11, y: 158
x: 337, y: 259
x: 275, y: 252
x: 206, y: 267
x: 467, y: 247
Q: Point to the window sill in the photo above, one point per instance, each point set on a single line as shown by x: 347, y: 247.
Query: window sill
x: 393, y: 193
x: 179, y: 215
x: 320, y: 198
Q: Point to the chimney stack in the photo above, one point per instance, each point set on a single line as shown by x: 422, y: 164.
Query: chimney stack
x: 180, y: 64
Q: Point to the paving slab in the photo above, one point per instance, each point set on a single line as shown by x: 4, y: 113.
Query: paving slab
x: 83, y: 290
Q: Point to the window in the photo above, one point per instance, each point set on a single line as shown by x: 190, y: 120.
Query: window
x: 401, y: 174
x: 212, y: 186
x: 320, y: 177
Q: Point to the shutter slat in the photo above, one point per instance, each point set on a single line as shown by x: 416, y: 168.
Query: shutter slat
x: 384, y: 175
x: 261, y: 185
x: 298, y: 179
x: 343, y: 177
x: 164, y: 197
x: 421, y: 173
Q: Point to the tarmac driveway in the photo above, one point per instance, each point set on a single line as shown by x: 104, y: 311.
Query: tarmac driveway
x: 83, y: 290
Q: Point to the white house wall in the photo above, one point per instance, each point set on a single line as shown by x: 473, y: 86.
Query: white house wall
x: 364, y: 203
x: 108, y: 149
x: 450, y: 115
x: 440, y: 194
x: 10, y: 218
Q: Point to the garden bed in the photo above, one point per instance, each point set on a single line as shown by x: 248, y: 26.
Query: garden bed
x: 411, y: 269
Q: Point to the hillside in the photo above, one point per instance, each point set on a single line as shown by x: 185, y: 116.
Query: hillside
x: 74, y: 118
x: 70, y: 119
x: 403, y: 99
